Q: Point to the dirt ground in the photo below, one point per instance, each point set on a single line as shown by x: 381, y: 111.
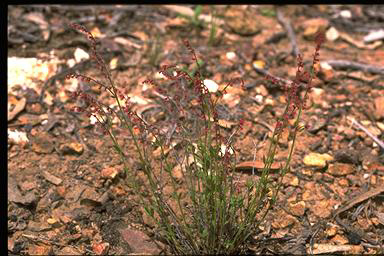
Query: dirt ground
x: 66, y: 189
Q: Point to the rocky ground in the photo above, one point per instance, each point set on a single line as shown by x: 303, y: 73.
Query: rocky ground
x: 66, y: 190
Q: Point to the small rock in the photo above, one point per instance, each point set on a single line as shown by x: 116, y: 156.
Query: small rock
x: 379, y: 108
x: 348, y: 156
x: 317, y: 160
x: 321, y: 209
x: 332, y: 34
x: 346, y: 14
x: 80, y: 55
x: 269, y: 101
x: 338, y: 239
x: 317, y: 95
x: 290, y: 179
x: 380, y: 125
x: 259, y: 99
x: 258, y: 64
x: 262, y: 90
x: 298, y: 208
x: 17, y: 137
x: 15, y: 195
x: 340, y: 169
x: 53, y: 222
x: 42, y: 143
x: 211, y: 85
x: 231, y: 56
x: 344, y: 182
x: 28, y: 185
x: 109, y: 173
x: 51, y: 178
x: 38, y: 226
x: 374, y: 35
x: 72, y: 148
x: 139, y: 242
x: 90, y: 197
x: 61, y: 191
x: 100, y: 248
x: 326, y: 72
x: 331, y: 231
x: 159, y: 75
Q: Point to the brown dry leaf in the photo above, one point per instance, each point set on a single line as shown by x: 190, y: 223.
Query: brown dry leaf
x: 379, y: 107
x: 330, y: 248
x: 226, y: 124
x: 176, y: 22
x: 15, y: 106
x: 257, y: 165
x: 180, y: 9
x: 360, y: 44
x: 126, y: 42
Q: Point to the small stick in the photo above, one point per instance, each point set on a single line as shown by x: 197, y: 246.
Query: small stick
x: 290, y: 32
x: 346, y: 64
x: 354, y: 122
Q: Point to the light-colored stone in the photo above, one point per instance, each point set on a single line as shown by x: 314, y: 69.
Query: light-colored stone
x: 326, y: 71
x: 332, y: 34
x: 331, y: 231
x: 380, y: 125
x: 211, y: 85
x: 231, y: 56
x: 317, y: 160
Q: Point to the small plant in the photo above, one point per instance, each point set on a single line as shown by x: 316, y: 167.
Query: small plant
x: 198, y: 24
x: 194, y: 20
x: 205, y: 211
x: 213, y: 31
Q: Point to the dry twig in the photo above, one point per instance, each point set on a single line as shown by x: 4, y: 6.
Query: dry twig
x: 345, y: 64
x: 354, y: 122
x: 290, y: 32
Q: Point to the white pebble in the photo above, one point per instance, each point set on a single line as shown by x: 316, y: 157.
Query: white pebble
x: 211, y: 85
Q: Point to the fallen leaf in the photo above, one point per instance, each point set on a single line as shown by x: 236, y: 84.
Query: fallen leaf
x: 257, y: 165
x: 15, y: 106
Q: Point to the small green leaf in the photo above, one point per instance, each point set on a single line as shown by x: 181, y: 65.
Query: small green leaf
x: 198, y: 11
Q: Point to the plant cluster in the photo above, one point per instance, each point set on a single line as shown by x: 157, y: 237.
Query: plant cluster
x: 206, y: 212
